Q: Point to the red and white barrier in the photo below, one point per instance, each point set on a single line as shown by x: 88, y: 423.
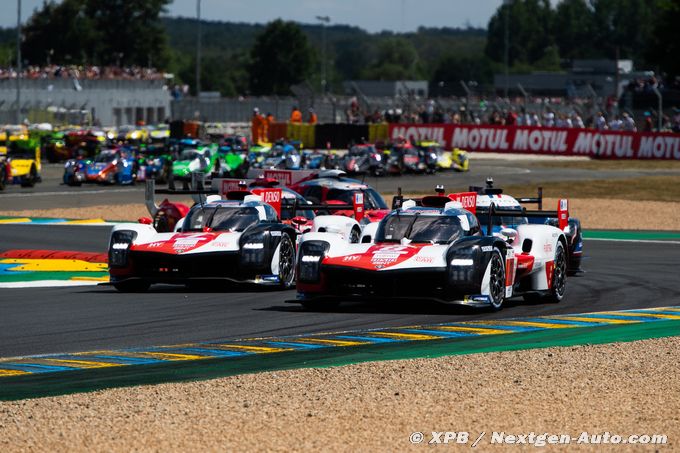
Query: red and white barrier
x: 544, y: 140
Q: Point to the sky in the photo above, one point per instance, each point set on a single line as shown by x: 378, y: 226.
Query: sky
x: 371, y: 15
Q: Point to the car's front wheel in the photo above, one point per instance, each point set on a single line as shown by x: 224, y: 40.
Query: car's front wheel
x: 559, y: 277
x: 496, y: 280
x: 286, y: 261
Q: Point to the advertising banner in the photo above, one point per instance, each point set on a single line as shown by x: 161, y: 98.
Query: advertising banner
x: 544, y: 140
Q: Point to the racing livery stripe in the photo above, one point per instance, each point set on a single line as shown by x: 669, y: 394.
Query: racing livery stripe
x: 102, y: 359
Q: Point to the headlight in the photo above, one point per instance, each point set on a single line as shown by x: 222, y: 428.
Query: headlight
x: 119, y: 247
x: 253, y: 251
x: 461, y: 268
x: 311, y: 254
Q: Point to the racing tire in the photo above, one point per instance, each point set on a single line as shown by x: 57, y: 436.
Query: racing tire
x: 29, y: 181
x: 3, y: 176
x: 132, y: 286
x: 496, y: 280
x: 286, y: 262
x: 559, y: 277
x: 355, y: 235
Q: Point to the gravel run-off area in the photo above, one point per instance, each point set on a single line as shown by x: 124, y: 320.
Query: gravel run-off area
x: 623, y: 389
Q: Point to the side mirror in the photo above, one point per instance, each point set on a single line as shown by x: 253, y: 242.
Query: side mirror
x: 510, y: 234
x: 145, y: 220
x: 299, y: 220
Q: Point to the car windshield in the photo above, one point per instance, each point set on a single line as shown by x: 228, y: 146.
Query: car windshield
x: 420, y: 228
x: 221, y: 218
x: 361, y: 150
x: 287, y: 211
x: 372, y: 199
x: 189, y: 154
x: 105, y: 157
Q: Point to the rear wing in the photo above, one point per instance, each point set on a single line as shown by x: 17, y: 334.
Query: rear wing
x: 272, y: 196
x: 561, y: 214
x: 468, y: 200
x: 538, y: 199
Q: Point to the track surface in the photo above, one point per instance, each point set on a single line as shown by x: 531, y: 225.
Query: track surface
x: 36, y: 321
x: 52, y: 194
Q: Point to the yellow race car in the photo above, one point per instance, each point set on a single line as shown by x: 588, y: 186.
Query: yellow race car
x: 456, y: 160
x: 21, y: 163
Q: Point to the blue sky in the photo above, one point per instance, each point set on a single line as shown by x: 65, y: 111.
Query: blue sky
x: 372, y: 15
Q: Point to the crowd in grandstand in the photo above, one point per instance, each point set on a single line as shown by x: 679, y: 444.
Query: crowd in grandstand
x: 83, y: 72
x: 518, y: 115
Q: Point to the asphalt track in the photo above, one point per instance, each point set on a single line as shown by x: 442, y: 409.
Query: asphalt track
x: 52, y: 194
x: 621, y: 275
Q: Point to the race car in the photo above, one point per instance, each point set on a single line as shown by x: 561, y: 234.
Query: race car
x: 438, y: 251
x: 21, y: 163
x: 456, y: 159
x: 331, y: 187
x: 111, y: 166
x: 363, y: 159
x: 503, y: 203
x: 202, y: 160
x: 240, y: 239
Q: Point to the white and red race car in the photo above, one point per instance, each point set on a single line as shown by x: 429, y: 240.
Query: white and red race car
x: 437, y: 250
x: 240, y: 238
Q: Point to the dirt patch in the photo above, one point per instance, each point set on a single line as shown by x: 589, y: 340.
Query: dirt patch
x: 595, y: 164
x: 624, y: 389
x: 594, y: 213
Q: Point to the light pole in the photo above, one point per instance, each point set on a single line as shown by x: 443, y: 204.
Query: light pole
x: 324, y: 21
x: 18, y: 117
x: 198, y: 48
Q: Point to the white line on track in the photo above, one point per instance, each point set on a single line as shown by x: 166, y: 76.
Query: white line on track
x: 66, y: 192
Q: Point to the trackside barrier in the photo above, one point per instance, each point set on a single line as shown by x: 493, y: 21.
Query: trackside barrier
x: 552, y: 141
x: 378, y: 132
x: 303, y: 132
x: 276, y: 131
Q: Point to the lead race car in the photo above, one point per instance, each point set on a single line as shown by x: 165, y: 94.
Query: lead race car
x: 438, y: 251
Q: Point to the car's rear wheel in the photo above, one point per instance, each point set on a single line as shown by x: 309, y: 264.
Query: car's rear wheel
x: 30, y: 179
x: 496, y: 280
x: 559, y: 277
x: 132, y: 286
x: 3, y: 176
x: 286, y: 262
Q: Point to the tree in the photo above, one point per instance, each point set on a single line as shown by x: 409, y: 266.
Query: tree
x: 530, y: 31
x: 397, y: 59
x: 97, y: 31
x: 575, y: 29
x: 59, y: 33
x: 452, y: 69
x: 130, y: 32
x: 663, y: 48
x: 280, y: 58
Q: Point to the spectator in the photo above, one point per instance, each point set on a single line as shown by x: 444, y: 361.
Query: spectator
x: 295, y: 115
x: 628, y: 123
x: 257, y: 124
x: 600, y: 122
x: 313, y: 119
